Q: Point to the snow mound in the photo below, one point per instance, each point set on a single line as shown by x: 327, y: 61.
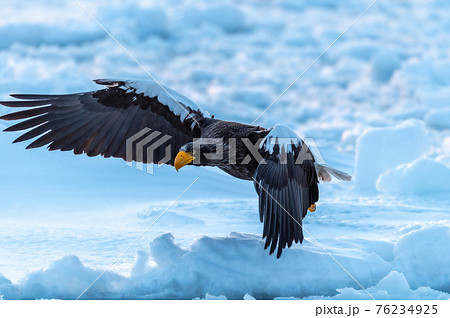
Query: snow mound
x: 393, y: 286
x: 67, y: 277
x: 381, y: 149
x: 423, y: 256
x: 394, y: 283
x: 7, y: 289
x: 237, y: 267
x: 421, y: 177
x: 230, y: 266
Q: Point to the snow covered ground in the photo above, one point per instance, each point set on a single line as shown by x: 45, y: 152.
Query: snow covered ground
x: 377, y: 103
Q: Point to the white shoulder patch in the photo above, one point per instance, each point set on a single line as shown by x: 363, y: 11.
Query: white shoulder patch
x: 166, y: 96
x: 280, y: 135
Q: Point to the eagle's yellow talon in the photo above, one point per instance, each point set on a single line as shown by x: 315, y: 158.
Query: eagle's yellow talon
x: 312, y: 208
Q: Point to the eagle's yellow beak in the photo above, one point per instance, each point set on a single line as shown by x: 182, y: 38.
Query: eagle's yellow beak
x: 182, y: 159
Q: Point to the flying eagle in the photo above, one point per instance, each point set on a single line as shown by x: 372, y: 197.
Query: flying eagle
x: 282, y: 167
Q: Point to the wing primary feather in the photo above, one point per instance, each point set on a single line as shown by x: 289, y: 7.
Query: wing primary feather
x: 94, y: 147
x: 281, y: 228
x: 262, y: 203
x: 266, y: 225
x: 81, y: 144
x: 39, y: 130
x: 29, y: 123
x: 38, y: 96
x: 287, y: 220
x: 60, y: 123
x: 272, y: 215
x: 110, y: 136
x: 269, y: 219
x: 72, y: 126
x: 282, y: 218
x: 27, y: 103
x: 293, y: 224
x: 276, y: 227
x: 121, y: 132
x: 74, y: 139
x: 295, y: 203
x: 131, y: 132
x: 41, y: 141
x: 27, y: 113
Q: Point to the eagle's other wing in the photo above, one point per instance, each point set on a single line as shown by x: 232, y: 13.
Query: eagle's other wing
x: 286, y: 183
x: 100, y: 122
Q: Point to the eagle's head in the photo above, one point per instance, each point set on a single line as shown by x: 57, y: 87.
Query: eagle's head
x: 185, y: 156
x: 200, y: 152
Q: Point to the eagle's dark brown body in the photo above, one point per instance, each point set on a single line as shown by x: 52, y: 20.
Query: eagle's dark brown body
x: 227, y: 131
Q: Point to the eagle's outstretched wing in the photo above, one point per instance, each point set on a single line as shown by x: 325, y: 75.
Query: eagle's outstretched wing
x: 286, y: 182
x: 100, y: 122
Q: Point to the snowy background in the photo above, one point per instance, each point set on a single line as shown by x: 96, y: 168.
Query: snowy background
x: 377, y: 104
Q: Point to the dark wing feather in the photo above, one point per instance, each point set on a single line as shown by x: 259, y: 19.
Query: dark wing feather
x: 286, y: 190
x: 100, y: 122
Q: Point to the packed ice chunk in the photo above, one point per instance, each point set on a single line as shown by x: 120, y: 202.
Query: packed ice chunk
x: 423, y: 257
x: 422, y: 177
x: 381, y: 149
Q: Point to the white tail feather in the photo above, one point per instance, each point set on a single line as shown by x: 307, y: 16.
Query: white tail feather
x: 324, y: 171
